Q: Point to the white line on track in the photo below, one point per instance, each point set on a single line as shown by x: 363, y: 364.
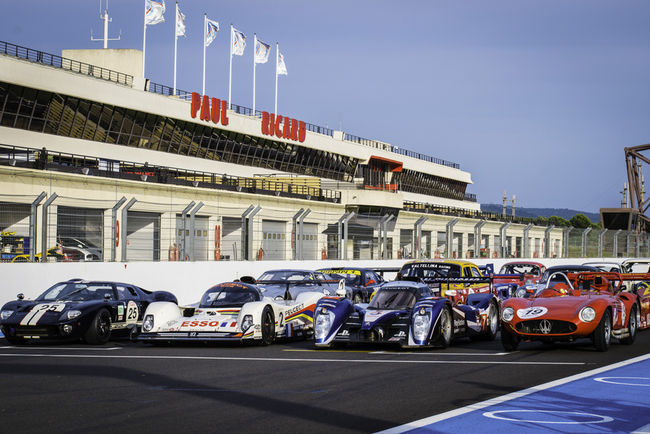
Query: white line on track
x: 61, y: 348
x: 284, y: 360
x: 390, y: 353
x: 498, y: 400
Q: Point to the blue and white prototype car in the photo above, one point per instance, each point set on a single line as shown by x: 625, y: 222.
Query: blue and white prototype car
x: 401, y: 312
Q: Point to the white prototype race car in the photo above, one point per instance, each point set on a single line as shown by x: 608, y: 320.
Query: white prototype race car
x: 232, y: 311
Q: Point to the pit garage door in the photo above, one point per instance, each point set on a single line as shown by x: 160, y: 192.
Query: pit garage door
x: 310, y: 241
x: 14, y: 230
x: 81, y: 229
x: 230, y: 238
x: 274, y: 238
x: 200, y: 237
x: 143, y: 236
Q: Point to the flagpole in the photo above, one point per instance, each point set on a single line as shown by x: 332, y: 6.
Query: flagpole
x: 230, y: 73
x: 175, y: 46
x: 205, y: 33
x: 254, y: 67
x: 277, y: 51
x: 144, y: 36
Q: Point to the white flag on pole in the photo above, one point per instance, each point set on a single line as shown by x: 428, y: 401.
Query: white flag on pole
x: 180, y: 22
x: 238, y: 42
x: 153, y: 12
x: 282, y: 67
x: 212, y: 28
x: 262, y: 52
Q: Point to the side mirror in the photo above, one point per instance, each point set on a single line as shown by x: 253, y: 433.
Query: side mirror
x: 107, y: 297
x: 341, y: 292
x: 21, y: 296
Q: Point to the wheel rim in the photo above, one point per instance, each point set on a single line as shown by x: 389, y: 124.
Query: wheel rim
x: 607, y: 330
x: 492, y: 319
x: 445, y: 326
x: 103, y: 325
x: 633, y: 322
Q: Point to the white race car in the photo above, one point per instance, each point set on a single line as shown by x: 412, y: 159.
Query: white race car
x: 231, y: 311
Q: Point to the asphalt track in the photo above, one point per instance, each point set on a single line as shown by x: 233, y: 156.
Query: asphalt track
x: 289, y: 387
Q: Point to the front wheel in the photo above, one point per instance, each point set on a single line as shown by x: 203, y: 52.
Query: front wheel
x: 14, y: 340
x: 492, y: 325
x: 509, y: 341
x: 99, y: 330
x: 268, y: 326
x: 445, y: 329
x: 603, y: 333
x: 632, y: 325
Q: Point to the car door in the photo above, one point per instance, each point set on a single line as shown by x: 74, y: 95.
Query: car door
x: 131, y: 305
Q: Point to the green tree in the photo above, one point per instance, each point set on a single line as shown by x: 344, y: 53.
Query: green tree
x: 580, y: 221
x: 558, y: 221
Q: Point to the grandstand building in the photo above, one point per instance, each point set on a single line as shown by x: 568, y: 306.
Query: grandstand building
x: 96, y: 162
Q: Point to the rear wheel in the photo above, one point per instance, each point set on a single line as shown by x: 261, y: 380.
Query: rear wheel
x: 99, y: 331
x: 445, y: 329
x: 603, y: 333
x: 509, y: 341
x: 632, y: 325
x: 268, y: 326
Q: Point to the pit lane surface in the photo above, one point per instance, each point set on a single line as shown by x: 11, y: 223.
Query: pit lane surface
x: 284, y: 387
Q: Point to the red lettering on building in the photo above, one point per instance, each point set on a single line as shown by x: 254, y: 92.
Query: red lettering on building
x: 278, y: 130
x: 211, y: 109
x: 283, y: 127
x: 215, y: 110
x: 265, y: 123
x: 196, y: 104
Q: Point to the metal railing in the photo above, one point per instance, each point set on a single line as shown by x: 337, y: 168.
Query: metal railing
x: 34, y: 158
x: 64, y: 63
x: 460, y: 212
x: 169, y: 91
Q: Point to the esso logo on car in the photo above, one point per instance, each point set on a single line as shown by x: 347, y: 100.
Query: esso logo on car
x: 531, y: 312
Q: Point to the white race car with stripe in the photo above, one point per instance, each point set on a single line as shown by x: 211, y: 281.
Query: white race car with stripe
x: 231, y: 311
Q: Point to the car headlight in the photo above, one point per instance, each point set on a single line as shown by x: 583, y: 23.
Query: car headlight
x: 247, y: 322
x: 521, y: 292
x: 507, y: 314
x: 147, y: 324
x: 421, y: 324
x: 587, y: 314
x: 6, y: 314
x: 323, y: 323
x: 71, y: 314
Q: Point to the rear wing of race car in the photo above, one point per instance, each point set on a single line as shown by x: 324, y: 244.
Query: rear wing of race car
x: 289, y: 283
x: 605, y: 281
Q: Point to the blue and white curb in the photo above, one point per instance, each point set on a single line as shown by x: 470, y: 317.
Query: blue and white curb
x: 607, y: 399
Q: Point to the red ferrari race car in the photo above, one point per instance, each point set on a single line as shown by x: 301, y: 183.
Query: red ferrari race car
x: 520, y: 272
x: 572, y: 306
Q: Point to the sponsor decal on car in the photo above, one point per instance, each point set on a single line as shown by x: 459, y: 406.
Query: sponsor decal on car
x: 531, y: 312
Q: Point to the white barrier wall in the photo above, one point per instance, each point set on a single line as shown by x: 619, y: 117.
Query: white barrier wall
x: 187, y: 280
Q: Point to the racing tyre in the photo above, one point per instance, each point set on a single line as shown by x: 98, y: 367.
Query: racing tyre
x: 492, y: 326
x: 357, y: 298
x: 632, y: 325
x: 445, y: 329
x: 99, y: 331
x: 603, y: 333
x: 268, y: 326
x: 13, y: 340
x: 509, y: 341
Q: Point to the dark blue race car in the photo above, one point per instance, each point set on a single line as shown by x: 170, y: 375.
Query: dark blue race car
x: 73, y: 310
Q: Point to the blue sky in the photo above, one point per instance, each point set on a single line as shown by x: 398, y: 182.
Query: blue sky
x: 536, y: 97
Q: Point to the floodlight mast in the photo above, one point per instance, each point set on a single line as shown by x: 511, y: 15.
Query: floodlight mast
x: 635, y: 183
x: 104, y: 17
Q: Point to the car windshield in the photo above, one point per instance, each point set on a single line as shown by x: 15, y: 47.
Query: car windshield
x: 285, y: 275
x: 77, y: 292
x: 520, y: 269
x: 574, y: 269
x: 229, y: 295
x: 393, y: 298
x: 352, y: 277
x: 428, y: 270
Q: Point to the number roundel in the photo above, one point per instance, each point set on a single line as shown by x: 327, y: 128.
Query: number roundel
x: 531, y: 312
x: 132, y: 312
